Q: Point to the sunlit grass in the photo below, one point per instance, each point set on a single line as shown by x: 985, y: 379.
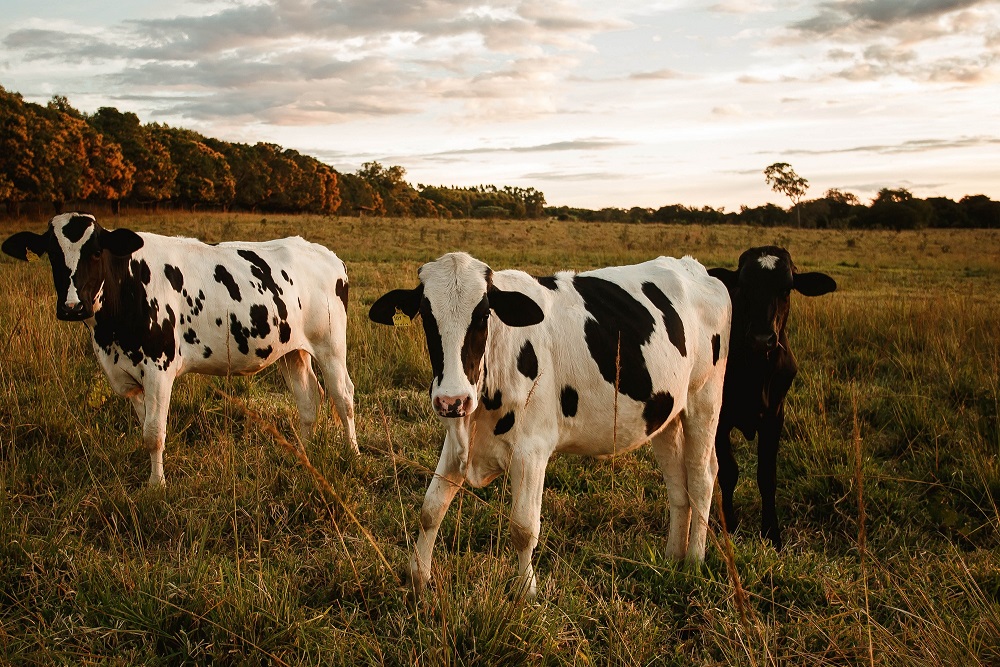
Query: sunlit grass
x: 244, y: 559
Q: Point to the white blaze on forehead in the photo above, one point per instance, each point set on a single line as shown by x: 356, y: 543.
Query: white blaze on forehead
x: 454, y: 284
x: 768, y: 261
x: 71, y: 249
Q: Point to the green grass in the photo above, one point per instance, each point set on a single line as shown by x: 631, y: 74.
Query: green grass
x: 243, y: 559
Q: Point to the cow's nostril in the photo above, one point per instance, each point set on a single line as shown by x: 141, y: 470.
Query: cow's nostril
x: 453, y: 406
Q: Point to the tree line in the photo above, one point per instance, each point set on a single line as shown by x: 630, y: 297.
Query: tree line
x: 889, y: 209
x: 53, y: 156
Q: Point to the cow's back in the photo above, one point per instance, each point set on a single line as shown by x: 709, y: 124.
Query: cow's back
x: 652, y: 330
x: 230, y: 308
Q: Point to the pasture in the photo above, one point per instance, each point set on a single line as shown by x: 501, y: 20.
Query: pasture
x: 889, y: 482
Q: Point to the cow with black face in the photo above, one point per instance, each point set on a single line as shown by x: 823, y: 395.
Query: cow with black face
x: 158, y: 307
x: 761, y: 369
x: 595, y: 363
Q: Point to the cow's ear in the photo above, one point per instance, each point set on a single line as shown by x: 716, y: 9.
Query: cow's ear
x: 406, y: 301
x: 121, y: 242
x: 515, y: 309
x: 20, y: 244
x: 813, y: 284
x: 728, y: 277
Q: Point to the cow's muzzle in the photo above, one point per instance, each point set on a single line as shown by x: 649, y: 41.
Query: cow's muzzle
x: 764, y: 342
x: 74, y: 313
x: 453, y: 406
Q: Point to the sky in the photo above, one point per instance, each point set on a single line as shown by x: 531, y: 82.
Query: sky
x: 597, y: 103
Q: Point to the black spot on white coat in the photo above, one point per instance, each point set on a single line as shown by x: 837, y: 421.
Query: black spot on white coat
x: 504, y: 424
x: 176, y: 279
x: 527, y: 361
x: 618, y: 328
x: 223, y: 276
x: 568, y: 400
x: 657, y: 410
x: 671, y: 320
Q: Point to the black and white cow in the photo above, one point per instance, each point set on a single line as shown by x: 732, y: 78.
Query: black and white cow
x: 761, y: 369
x: 541, y: 376
x: 158, y: 307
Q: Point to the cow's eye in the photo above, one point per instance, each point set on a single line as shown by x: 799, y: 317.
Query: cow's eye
x: 96, y: 254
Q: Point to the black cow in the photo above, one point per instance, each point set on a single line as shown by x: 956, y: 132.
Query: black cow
x: 761, y: 369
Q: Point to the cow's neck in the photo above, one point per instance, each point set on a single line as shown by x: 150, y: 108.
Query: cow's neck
x: 124, y: 307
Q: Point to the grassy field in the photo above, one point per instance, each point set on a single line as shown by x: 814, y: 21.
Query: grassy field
x: 892, y: 434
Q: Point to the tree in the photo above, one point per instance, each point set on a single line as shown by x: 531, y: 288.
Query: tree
x: 155, y: 174
x: 782, y: 178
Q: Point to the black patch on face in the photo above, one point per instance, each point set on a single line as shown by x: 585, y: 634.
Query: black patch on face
x: 716, y: 348
x: 260, y: 327
x: 208, y: 352
x: 191, y: 337
x: 176, y: 278
x: 527, y: 362
x: 671, y: 320
x: 504, y: 424
x: 617, y: 316
x: 284, y: 332
x: 435, y: 347
x: 89, y: 273
x: 657, y: 410
x: 77, y: 225
x: 493, y: 402
x: 548, y: 282
x: 218, y: 321
x: 264, y: 352
x: 223, y: 276
x: 285, y: 276
x: 341, y: 290
x: 569, y: 400
x: 474, y: 345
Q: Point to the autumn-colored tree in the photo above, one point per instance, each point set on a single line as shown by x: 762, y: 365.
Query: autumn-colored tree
x: 203, y: 175
x: 358, y: 197
x: 155, y: 173
x: 16, y: 152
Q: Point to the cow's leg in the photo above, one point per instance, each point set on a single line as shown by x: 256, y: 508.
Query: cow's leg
x: 668, y: 447
x: 156, y: 405
x: 443, y: 487
x: 767, y: 464
x: 701, y: 420
x: 527, y: 480
x: 729, y: 474
x: 339, y: 387
x: 296, y: 368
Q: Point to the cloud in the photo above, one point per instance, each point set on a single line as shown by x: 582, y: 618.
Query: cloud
x: 741, y: 7
x: 657, y: 75
x: 571, y: 176
x: 729, y: 110
x: 368, y: 56
x: 834, y: 17
x: 934, y: 41
x: 556, y: 146
x: 912, y: 146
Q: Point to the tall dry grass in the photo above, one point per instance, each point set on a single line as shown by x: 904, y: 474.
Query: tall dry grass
x: 244, y: 558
